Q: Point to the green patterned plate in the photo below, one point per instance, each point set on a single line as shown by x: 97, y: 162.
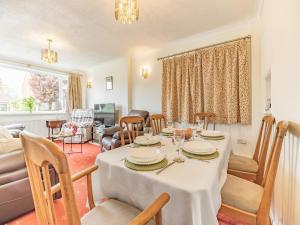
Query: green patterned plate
x: 212, y: 138
x: 201, y: 157
x: 134, y: 145
x: 151, y: 167
x: 166, y: 134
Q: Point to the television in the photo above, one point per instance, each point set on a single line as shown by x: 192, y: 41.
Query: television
x: 104, y: 114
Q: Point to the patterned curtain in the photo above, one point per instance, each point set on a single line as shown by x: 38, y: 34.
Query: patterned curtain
x: 74, y: 92
x: 214, y: 79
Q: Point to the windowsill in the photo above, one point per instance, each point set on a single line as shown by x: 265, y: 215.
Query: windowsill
x: 31, y: 114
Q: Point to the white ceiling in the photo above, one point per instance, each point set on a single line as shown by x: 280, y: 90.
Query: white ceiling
x: 85, y: 32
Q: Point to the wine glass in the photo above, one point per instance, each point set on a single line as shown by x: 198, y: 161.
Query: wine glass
x: 148, y: 132
x: 179, y: 136
x: 170, y: 124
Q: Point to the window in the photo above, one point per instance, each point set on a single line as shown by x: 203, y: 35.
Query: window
x: 24, y: 90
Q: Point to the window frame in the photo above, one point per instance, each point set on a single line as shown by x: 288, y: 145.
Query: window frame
x: 34, y: 69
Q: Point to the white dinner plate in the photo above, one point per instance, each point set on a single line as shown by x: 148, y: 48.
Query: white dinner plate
x: 143, y: 140
x: 211, y: 133
x: 168, y: 130
x: 145, y: 156
x: 199, y: 147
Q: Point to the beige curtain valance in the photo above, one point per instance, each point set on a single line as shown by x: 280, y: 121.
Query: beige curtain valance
x: 74, y: 98
x: 215, y: 79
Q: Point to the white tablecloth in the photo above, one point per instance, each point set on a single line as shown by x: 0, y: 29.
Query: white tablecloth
x: 194, y: 186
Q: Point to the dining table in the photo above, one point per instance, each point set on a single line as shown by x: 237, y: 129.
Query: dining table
x: 194, y: 186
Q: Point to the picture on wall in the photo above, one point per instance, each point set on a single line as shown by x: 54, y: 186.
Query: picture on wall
x: 109, y: 83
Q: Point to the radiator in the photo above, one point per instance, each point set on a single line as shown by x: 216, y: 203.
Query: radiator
x: 34, y: 124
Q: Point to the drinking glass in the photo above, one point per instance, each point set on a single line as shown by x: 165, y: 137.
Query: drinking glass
x: 179, y: 139
x: 170, y: 124
x: 148, y: 132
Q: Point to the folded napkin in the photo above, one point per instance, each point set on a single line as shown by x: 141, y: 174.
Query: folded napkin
x: 9, y: 145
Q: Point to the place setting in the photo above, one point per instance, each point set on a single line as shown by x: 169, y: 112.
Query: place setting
x: 200, y: 150
x: 212, y: 135
x: 148, y: 139
x: 145, y: 159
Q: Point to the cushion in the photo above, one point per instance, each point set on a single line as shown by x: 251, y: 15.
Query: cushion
x: 12, y: 176
x: 4, y: 133
x: 242, y: 194
x: 242, y: 163
x: 111, y: 212
x: 12, y: 161
x: 10, y: 145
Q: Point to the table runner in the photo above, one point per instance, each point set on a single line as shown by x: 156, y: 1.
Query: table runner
x: 194, y: 186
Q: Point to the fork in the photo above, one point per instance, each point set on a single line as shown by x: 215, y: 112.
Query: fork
x: 161, y: 170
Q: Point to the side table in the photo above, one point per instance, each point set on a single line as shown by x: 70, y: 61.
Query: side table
x: 53, y: 124
x: 63, y: 137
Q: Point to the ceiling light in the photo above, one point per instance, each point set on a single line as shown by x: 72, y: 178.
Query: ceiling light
x: 48, y: 55
x: 126, y: 11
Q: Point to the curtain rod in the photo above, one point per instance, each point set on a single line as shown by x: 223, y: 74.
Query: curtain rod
x: 33, y: 67
x: 209, y: 46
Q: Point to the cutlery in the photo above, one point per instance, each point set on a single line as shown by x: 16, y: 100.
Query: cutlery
x: 202, y: 160
x: 161, y: 170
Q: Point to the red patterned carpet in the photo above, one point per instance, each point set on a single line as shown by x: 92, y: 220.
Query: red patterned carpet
x: 78, y: 162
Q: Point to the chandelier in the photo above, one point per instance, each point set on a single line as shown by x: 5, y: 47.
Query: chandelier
x: 126, y: 11
x: 48, y: 55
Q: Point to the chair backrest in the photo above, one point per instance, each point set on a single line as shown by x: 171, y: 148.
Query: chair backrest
x: 142, y: 113
x: 206, y: 117
x: 39, y: 153
x: 82, y: 116
x: 158, y: 122
x: 133, y: 125
x: 262, y: 145
x: 270, y: 174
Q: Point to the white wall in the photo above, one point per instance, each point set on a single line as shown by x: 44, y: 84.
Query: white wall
x: 280, y: 57
x: 34, y: 122
x: 119, y: 69
x: 146, y: 94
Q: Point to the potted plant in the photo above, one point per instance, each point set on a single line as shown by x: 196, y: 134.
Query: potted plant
x: 29, y: 103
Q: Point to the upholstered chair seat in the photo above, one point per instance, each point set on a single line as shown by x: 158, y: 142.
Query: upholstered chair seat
x: 242, y: 194
x: 112, y: 212
x: 242, y: 163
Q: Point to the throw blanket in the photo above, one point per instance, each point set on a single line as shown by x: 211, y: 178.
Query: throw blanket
x: 9, y: 145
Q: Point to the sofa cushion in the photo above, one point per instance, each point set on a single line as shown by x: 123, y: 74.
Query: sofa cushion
x: 12, y: 161
x: 10, y: 145
x: 242, y: 163
x: 16, y: 199
x: 242, y: 194
x: 12, y: 176
x: 4, y: 133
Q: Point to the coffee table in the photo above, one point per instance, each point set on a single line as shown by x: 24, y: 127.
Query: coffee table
x: 71, y: 136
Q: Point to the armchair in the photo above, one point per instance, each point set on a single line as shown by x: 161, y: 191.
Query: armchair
x: 83, y: 119
x: 110, y: 138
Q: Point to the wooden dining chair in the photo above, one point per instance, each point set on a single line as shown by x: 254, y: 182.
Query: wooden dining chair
x: 253, y: 168
x: 249, y: 202
x: 206, y: 117
x: 39, y: 154
x: 158, y: 122
x: 133, y: 124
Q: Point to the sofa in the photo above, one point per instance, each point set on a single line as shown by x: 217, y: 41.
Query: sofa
x: 83, y: 119
x: 110, y: 137
x: 15, y: 192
